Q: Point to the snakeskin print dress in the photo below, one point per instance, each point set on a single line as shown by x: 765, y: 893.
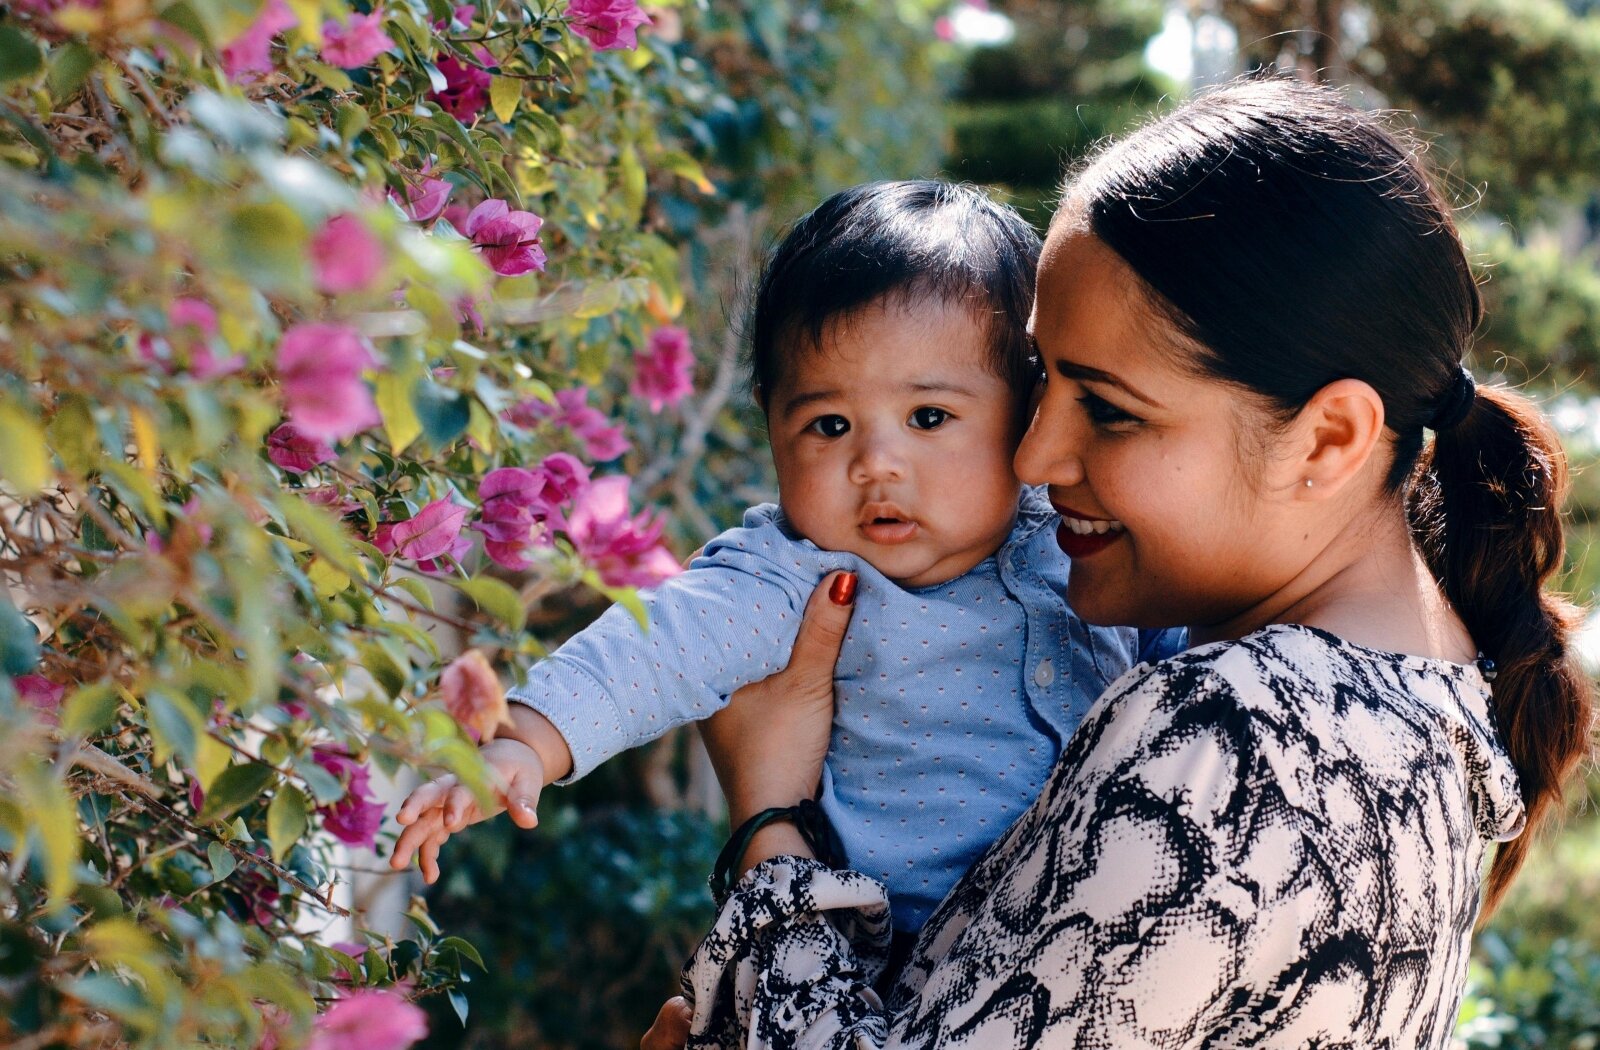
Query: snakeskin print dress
x: 1273, y: 842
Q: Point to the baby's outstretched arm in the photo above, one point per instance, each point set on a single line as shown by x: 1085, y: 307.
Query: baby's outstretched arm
x: 522, y: 760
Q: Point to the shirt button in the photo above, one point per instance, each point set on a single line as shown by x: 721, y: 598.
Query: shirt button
x: 1044, y: 674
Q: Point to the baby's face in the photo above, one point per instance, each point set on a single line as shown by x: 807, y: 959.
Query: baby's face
x: 894, y: 441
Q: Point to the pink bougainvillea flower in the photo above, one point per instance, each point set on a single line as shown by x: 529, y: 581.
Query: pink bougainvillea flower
x: 331, y: 497
x: 345, y: 256
x: 192, y: 313
x: 565, y: 475
x: 473, y: 695
x: 466, y: 89
x: 191, y: 334
x: 602, y: 442
x: 521, y: 507
x: 434, y: 531
x: 355, y: 818
x: 295, y: 451
x: 369, y: 1019
x: 626, y: 551
x: 467, y: 313
x: 320, y: 368
x: 355, y: 43
x: 508, y: 239
x: 607, y: 24
x: 249, y: 54
x: 460, y: 15
x: 423, y: 200
x: 664, y: 374
x: 41, y: 694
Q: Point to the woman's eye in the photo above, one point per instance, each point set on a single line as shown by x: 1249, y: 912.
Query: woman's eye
x: 928, y: 418
x: 1104, y: 413
x: 829, y: 426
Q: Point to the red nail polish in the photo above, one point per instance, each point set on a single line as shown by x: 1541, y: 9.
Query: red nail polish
x: 843, y: 589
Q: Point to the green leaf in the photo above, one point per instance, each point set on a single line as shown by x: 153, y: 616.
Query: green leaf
x: 686, y: 167
x: 55, y: 822
x: 320, y: 529
x: 236, y: 788
x: 462, y: 948
x: 90, y: 710
x: 287, y: 820
x: 394, y: 405
x: 69, y: 68
x: 504, y: 94
x: 417, y: 589
x: 332, y: 76
x: 444, y: 413
x: 351, y: 120
x: 325, y: 787
x: 384, y: 668
x: 497, y: 598
x: 19, y: 56
x: 222, y: 860
x: 267, y: 241
x: 19, y: 640
x: 24, y: 457
x: 458, y: 1003
x: 73, y: 435
x: 175, y: 726
x: 631, y: 175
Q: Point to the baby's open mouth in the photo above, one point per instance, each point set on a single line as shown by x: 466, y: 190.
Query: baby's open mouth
x: 886, y: 523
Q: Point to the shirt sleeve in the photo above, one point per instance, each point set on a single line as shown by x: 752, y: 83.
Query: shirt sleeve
x: 1112, y: 914
x: 727, y: 621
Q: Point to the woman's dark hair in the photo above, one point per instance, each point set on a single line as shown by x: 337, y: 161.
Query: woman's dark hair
x: 1294, y: 241
x: 887, y: 240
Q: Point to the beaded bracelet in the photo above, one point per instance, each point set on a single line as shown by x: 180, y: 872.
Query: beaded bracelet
x: 808, y: 819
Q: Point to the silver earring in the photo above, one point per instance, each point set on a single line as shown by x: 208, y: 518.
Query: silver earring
x: 1308, y: 483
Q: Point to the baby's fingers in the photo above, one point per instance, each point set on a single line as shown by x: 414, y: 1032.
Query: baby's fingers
x: 460, y: 809
x: 421, y: 830
x: 522, y: 798
x: 425, y: 798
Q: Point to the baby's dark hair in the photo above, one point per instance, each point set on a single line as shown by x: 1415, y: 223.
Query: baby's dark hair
x: 888, y: 241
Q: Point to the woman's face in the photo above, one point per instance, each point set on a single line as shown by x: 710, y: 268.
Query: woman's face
x: 1173, y: 509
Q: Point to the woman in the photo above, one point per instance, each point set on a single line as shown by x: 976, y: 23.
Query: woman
x: 1249, y: 313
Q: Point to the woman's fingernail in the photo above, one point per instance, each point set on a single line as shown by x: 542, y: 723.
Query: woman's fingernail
x: 843, y: 589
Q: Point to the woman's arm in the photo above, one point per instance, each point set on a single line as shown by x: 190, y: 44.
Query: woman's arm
x: 1159, y: 893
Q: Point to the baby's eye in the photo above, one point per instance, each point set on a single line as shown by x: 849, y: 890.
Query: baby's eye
x: 1104, y: 413
x: 928, y: 418
x: 829, y: 426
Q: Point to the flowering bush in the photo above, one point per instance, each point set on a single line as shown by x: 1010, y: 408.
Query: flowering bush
x: 302, y: 302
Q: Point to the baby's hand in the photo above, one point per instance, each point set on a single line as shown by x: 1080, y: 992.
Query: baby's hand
x: 444, y: 806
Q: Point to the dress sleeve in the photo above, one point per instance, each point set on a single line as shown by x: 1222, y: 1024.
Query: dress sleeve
x: 728, y: 621
x: 1116, y: 912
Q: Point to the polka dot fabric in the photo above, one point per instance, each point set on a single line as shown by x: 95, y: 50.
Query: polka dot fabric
x: 954, y: 701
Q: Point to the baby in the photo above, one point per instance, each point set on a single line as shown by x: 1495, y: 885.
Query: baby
x: 891, y: 358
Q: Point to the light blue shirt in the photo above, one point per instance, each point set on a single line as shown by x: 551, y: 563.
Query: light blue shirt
x: 953, y: 701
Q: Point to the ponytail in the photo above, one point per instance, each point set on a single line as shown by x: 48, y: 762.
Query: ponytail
x: 1486, y: 511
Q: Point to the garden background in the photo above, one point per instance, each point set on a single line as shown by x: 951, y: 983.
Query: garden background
x: 344, y: 344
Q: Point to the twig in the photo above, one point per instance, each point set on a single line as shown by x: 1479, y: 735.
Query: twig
x: 97, y: 761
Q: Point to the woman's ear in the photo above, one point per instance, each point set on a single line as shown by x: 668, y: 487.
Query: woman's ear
x: 1334, y: 437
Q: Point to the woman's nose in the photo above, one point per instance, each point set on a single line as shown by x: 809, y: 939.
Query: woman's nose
x: 1050, y: 452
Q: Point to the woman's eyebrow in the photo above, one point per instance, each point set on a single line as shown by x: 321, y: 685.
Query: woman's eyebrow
x: 1094, y: 375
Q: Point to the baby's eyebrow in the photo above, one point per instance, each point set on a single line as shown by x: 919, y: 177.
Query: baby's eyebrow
x: 809, y: 397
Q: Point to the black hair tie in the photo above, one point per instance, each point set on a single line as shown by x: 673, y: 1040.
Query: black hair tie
x: 1457, y: 402
x: 808, y: 819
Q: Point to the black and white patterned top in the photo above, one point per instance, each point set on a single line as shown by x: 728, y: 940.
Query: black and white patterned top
x: 1273, y: 842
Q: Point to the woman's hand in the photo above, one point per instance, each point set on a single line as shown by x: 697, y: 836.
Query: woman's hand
x: 767, y: 745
